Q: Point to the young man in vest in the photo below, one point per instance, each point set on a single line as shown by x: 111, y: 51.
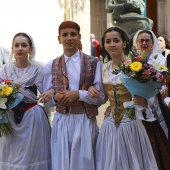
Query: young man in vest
x: 74, y: 126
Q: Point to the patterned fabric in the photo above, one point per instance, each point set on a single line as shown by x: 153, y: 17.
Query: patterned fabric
x: 22, y: 106
x: 87, y: 75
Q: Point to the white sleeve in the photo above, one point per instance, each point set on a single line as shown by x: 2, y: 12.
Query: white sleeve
x: 83, y: 94
x: 47, y: 82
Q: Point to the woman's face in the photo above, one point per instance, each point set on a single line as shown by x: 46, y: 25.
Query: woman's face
x: 21, y: 48
x: 144, y: 43
x: 114, y: 45
x: 162, y: 43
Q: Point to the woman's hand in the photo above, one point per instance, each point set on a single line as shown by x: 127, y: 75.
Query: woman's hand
x: 138, y: 100
x: 46, y: 96
x: 164, y: 92
x: 94, y: 92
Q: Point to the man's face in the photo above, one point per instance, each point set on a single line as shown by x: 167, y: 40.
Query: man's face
x: 69, y: 38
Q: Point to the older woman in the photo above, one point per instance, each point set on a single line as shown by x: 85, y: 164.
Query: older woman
x: 145, y: 40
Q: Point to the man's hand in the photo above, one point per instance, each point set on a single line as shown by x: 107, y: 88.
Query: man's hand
x: 94, y: 92
x: 67, y: 98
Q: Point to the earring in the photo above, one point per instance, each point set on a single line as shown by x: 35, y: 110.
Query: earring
x: 29, y: 56
x: 138, y: 51
x: 151, y: 49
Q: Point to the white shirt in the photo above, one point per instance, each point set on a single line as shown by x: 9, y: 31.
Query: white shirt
x: 73, y: 73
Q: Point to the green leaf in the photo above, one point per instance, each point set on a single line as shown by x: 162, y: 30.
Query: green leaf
x: 143, y: 57
x: 131, y: 113
x: 156, y: 56
x: 5, y: 129
x: 131, y: 56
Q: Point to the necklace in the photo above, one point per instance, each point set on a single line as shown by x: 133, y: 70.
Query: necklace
x: 26, y: 69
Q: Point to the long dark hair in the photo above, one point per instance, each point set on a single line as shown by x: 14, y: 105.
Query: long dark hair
x: 124, y: 38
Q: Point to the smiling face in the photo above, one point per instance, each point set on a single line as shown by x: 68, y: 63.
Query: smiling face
x: 69, y: 38
x: 21, y: 47
x: 144, y: 43
x: 114, y: 45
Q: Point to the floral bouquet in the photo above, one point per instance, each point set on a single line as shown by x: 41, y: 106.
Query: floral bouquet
x: 142, y: 77
x: 9, y: 98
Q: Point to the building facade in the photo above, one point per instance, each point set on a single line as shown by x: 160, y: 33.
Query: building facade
x: 93, y: 17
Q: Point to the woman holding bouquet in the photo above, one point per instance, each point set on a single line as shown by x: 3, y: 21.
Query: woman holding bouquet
x: 28, y: 147
x: 122, y: 142
x: 145, y: 40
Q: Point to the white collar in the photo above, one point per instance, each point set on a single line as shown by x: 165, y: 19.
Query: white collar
x: 74, y: 57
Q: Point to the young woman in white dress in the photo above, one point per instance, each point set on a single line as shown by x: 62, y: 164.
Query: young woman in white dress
x: 28, y: 147
x: 123, y: 143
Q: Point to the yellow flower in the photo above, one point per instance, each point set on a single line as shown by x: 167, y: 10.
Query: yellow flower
x: 8, y: 90
x: 136, y: 66
x: 1, y: 93
x: 164, y: 68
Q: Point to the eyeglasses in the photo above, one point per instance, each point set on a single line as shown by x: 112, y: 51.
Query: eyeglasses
x: 147, y: 41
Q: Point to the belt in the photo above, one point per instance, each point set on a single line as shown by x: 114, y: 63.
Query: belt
x: 30, y: 106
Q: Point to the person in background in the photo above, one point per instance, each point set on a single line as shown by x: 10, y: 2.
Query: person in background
x: 74, y: 127
x: 28, y: 147
x: 92, y: 49
x: 97, y: 46
x: 123, y: 142
x: 164, y: 42
x: 4, y: 56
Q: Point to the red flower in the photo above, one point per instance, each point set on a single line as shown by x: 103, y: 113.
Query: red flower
x: 6, y: 82
x: 138, y: 58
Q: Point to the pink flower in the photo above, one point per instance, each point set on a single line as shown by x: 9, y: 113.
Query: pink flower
x: 146, y: 65
x: 146, y: 74
x: 152, y: 70
x: 159, y: 77
x: 127, y: 63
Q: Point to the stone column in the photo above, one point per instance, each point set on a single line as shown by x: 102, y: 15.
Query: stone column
x: 163, y: 13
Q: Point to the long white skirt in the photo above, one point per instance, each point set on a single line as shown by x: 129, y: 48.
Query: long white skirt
x: 126, y: 147
x: 73, y: 142
x: 28, y: 148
